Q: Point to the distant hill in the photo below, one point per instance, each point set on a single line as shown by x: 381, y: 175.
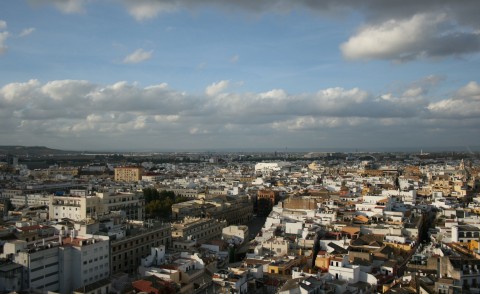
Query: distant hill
x: 32, y: 151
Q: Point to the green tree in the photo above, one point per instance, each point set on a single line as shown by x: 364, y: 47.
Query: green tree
x: 151, y: 194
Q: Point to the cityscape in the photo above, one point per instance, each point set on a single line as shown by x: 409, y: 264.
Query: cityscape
x: 264, y: 147
x: 278, y: 222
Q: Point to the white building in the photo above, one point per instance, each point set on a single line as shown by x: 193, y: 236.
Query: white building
x: 235, y: 234
x: 268, y: 167
x: 90, y: 256
x: 407, y: 197
x: 40, y: 264
x: 277, y: 246
x: 79, y: 205
x: 340, y: 269
x: 30, y: 200
x: 62, y: 266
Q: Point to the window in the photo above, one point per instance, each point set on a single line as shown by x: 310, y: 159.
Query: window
x: 50, y: 284
x: 37, y: 279
x: 37, y: 269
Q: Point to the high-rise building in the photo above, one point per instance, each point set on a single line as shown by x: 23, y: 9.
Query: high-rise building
x: 59, y: 266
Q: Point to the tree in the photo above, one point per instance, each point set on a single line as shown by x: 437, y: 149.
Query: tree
x: 159, y: 204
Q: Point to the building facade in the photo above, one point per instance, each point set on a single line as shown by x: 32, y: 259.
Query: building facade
x: 127, y: 252
x: 128, y: 174
x: 198, y: 228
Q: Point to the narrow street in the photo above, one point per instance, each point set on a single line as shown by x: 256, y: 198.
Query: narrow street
x: 255, y: 225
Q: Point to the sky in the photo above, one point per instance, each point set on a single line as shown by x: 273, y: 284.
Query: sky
x: 159, y: 75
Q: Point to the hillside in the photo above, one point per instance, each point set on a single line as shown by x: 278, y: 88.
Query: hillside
x: 31, y: 151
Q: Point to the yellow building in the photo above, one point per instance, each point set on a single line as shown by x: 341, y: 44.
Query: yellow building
x: 283, y: 266
x: 128, y: 174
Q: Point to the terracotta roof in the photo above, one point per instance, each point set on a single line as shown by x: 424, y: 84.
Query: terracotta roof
x: 361, y: 218
x: 351, y: 230
x: 144, y: 286
x: 29, y: 228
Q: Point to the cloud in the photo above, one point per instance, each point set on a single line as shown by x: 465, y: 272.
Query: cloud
x: 397, y: 30
x: 216, y: 88
x: 143, y: 10
x: 3, y: 37
x: 235, y: 58
x: 138, y: 56
x: 202, y: 65
x: 422, y: 35
x: 464, y: 104
x: 26, y: 32
x: 470, y: 91
x: 82, y: 112
x: 393, y: 30
x: 65, y: 6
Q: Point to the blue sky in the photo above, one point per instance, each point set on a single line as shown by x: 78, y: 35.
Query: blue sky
x: 207, y: 74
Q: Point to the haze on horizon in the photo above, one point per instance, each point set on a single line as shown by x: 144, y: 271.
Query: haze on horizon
x: 208, y: 74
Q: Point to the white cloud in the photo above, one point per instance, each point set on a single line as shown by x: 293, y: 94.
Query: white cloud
x: 216, y: 88
x: 235, y: 58
x: 82, y: 111
x: 471, y: 90
x: 26, y: 32
x: 399, y: 30
x: 392, y: 38
x: 422, y: 35
x: 3, y: 39
x: 278, y: 94
x: 138, y: 56
x: 465, y: 103
x: 68, y: 6
x: 143, y: 10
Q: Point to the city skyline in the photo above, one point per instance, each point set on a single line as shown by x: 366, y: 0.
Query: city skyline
x: 158, y: 75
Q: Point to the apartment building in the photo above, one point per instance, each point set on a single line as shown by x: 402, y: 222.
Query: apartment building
x: 10, y: 193
x: 79, y: 205
x: 128, y: 174
x: 198, y: 228
x: 235, y: 210
x: 127, y: 252
x: 30, y: 200
x: 186, y: 192
x: 270, y: 195
x: 133, y: 204
x: 11, y: 276
x: 91, y: 256
x: 59, y: 266
x: 40, y: 264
